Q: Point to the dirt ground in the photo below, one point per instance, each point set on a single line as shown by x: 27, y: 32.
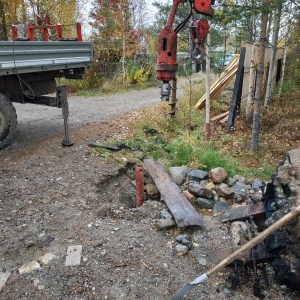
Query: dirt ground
x: 53, y: 197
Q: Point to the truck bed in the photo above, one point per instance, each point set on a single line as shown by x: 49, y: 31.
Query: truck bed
x: 17, y: 57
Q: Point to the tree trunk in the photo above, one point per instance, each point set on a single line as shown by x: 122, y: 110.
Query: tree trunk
x: 3, y: 28
x: 273, y: 56
x: 260, y: 75
x: 251, y: 74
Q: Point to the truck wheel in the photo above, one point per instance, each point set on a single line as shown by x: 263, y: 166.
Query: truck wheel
x: 42, y: 87
x: 8, y: 121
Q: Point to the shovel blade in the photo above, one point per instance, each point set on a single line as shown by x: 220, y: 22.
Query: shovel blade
x: 182, y: 292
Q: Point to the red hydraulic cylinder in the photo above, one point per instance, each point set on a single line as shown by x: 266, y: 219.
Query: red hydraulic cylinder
x: 139, y: 178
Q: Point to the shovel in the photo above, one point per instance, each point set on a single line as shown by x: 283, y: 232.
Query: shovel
x: 188, y: 286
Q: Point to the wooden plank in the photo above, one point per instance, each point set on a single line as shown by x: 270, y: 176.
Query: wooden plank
x: 224, y: 120
x: 220, y: 84
x: 241, y: 213
x: 294, y: 156
x: 182, y: 210
x: 220, y: 116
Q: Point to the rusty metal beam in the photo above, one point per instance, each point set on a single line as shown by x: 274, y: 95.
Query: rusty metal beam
x: 242, y: 213
x: 181, y: 209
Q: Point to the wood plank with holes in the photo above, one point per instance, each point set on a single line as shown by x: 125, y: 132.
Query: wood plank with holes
x: 182, y: 210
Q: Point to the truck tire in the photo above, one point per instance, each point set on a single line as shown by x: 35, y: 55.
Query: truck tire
x: 42, y: 87
x: 8, y: 121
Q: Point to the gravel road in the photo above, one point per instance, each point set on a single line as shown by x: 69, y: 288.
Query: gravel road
x: 39, y: 122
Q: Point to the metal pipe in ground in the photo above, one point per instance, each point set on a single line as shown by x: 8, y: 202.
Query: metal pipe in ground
x: 139, y: 178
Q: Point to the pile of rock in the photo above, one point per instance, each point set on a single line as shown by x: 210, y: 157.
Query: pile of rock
x: 214, y: 190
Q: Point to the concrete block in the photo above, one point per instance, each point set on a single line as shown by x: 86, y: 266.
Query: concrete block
x: 73, y: 255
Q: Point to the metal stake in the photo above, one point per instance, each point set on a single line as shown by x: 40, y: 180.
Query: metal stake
x: 61, y: 94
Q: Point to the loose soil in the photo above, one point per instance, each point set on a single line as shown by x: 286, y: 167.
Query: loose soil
x: 79, y: 197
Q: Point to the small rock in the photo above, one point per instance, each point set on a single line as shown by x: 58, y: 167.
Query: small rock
x: 178, y: 174
x: 230, y: 181
x: 258, y: 185
x: 181, y: 249
x: 210, y: 185
x: 199, y: 238
x: 239, y: 232
x: 188, y: 243
x: 103, y: 253
x: 179, y: 238
x: 33, y: 265
x: 189, y: 196
x: 73, y: 255
x: 241, y: 186
x: 239, y: 197
x: 165, y: 224
x: 220, y: 206
x: 203, y: 203
x: 3, y: 279
x: 45, y: 259
x: 239, y: 178
x: 36, y: 282
x: 224, y: 190
x: 165, y: 266
x: 197, y: 175
x: 200, y: 191
x: 152, y: 191
x: 217, y: 175
x: 202, y: 261
x: 164, y: 214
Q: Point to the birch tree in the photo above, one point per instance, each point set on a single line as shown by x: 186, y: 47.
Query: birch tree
x: 260, y: 75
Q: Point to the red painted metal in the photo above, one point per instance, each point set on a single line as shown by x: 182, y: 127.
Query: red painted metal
x: 203, y: 7
x: 44, y: 25
x: 139, y: 177
x: 79, y: 32
x: 14, y: 29
x: 199, y: 31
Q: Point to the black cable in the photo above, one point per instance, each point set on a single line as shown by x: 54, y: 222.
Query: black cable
x: 180, y: 25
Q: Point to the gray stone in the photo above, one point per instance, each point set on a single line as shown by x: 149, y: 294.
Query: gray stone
x: 199, y: 191
x: 239, y: 186
x: 239, y: 232
x: 180, y: 237
x: 199, y: 238
x: 73, y: 255
x: 3, y: 279
x: 164, y: 214
x: 258, y: 185
x: 197, y: 175
x: 230, y: 181
x: 178, y: 174
x: 220, y: 206
x: 224, y: 190
x: 217, y: 175
x: 202, y: 261
x: 187, y: 243
x: 239, y: 197
x: 240, y: 178
x: 203, y: 203
x: 165, y: 224
x: 152, y: 191
x: 181, y: 249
